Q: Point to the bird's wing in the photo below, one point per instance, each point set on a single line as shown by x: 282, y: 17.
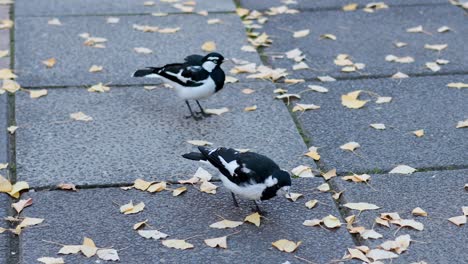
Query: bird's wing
x: 194, y: 59
x: 183, y: 74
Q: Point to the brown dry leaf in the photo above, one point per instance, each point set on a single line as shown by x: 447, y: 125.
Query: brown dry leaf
x: 329, y: 174
x: 462, y: 124
x: 6, y: 74
x: 49, y: 62
x: 152, y: 234
x: 357, y: 254
x: 253, y: 218
x: 313, y: 153
x: 17, y: 188
x: 217, y: 242
x: 50, y: 260
x: 417, y: 29
x: 54, y: 22
x: 67, y: 186
x: 250, y: 108
x: 140, y: 224
x: 357, y: 178
x: 132, y: 209
x: 142, y: 185
x: 293, y: 196
x: 203, y: 174
x: 303, y: 171
x: 177, y: 244
x: 311, y: 204
x: 143, y: 50
x: 157, y: 187
x: 403, y: 169
x: 301, y: 33
x: 419, y: 133
x: 379, y: 254
x: 88, y: 248
x: 331, y: 221
x: 328, y: 36
x: 351, y: 146
x: 21, y: 204
x: 378, y: 126
x: 12, y: 129
x: 223, y: 224
x: 393, y: 58
x: 350, y: 100
x: 108, y: 254
x: 217, y: 111
x: 95, y: 68
x: 458, y: 85
x: 199, y: 142
x: 286, y: 245
x: 436, y: 47
x: 350, y: 7
x: 458, y: 220
x: 208, y: 187
x: 37, y: 93
x: 325, y: 187
x: 361, y: 206
x: 399, y: 75
x: 80, y: 116
x: 208, y: 46
x: 179, y: 191
x: 305, y: 107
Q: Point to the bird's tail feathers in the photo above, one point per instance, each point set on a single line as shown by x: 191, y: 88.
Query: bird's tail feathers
x: 145, y: 72
x: 194, y: 156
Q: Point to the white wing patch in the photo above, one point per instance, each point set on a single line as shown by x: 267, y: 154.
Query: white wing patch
x: 270, y: 181
x: 231, y: 166
x: 179, y: 76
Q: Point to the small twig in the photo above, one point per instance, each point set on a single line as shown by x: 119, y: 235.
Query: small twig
x: 235, y: 233
x: 52, y: 242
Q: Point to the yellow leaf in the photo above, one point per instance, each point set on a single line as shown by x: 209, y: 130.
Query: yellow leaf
x: 157, y: 187
x: 5, y: 185
x: 436, y: 47
x: 458, y: 220
x: 143, y: 50
x: 417, y: 29
x: 12, y: 129
x: 379, y: 254
x: 328, y: 36
x: 330, y: 174
x: 4, y: 53
x: 10, y: 86
x: 108, y: 254
x: 152, y: 234
x: 217, y: 111
x: 67, y: 186
x: 318, y: 88
x: 179, y: 191
x: 132, y: 209
x: 49, y: 260
x: 313, y: 153
x: 80, y: 116
x: 7, y: 74
x: 250, y: 108
x: 408, y: 223
x: 141, y: 184
x: 378, y: 126
x: 17, y: 188
x: 458, y: 85
x: 293, y: 196
x: 208, y: 187
x: 419, y: 212
x: 313, y: 222
x: 301, y: 33
x: 95, y: 68
x: 351, y: 146
x: 286, y: 245
x: 305, y: 107
x: 419, y: 133
x: 303, y: 171
x: 223, y: 224
x: 462, y: 124
x: 350, y: 7
x: 217, y: 242
x: 253, y: 218
x: 311, y: 204
x: 21, y: 204
x: 29, y: 221
x: 177, y: 243
x: 49, y: 62
x: 202, y: 174
x: 199, y: 142
x: 351, y: 100
x: 99, y: 88
x: 357, y: 178
x: 403, y: 169
x: 140, y: 224
x: 357, y: 254
x: 209, y: 46
x: 192, y: 180
x: 361, y: 206
x: 325, y: 187
x: 70, y: 249
x: 37, y: 93
x: 331, y: 222
x: 88, y: 248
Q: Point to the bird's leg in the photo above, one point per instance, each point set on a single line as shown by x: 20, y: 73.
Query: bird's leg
x: 258, y: 208
x: 234, y: 200
x: 192, y: 115
x: 201, y: 109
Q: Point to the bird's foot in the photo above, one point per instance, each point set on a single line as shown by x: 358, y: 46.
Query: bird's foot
x: 204, y: 114
x: 195, y: 117
x: 258, y: 210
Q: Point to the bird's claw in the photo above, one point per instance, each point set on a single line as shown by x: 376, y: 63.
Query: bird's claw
x: 195, y: 117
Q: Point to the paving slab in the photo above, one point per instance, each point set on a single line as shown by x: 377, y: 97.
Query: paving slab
x: 417, y: 103
x: 328, y: 4
x: 3, y: 128
x: 368, y: 38
x: 5, y: 236
x: 90, y: 7
x: 439, y: 193
x: 140, y: 133
x: 94, y: 213
x: 4, y: 37
x: 118, y: 58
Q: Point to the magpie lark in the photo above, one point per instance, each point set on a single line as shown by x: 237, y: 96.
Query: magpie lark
x: 249, y: 175
x: 198, y: 77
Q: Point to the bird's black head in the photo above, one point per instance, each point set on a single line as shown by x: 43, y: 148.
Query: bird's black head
x: 214, y: 57
x: 282, y: 183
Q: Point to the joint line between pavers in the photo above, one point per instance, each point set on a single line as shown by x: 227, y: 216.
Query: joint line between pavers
x: 120, y: 14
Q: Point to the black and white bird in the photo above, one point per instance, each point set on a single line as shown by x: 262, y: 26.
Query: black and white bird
x: 249, y: 175
x: 197, y: 78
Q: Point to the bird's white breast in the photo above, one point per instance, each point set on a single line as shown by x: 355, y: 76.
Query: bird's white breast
x: 248, y: 191
x: 196, y: 92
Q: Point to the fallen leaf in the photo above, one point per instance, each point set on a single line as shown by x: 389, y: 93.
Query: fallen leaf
x: 230, y: 79
x: 305, y: 107
x: 329, y: 174
x: 326, y: 79
x: 462, y: 124
x: 325, y: 187
x: 10, y: 86
x: 408, y: 223
x: 145, y: 28
x: 294, y: 81
x: 169, y: 30
x: 95, y: 68
x: 49, y: 62
x: 311, y: 204
x: 328, y: 36
x: 159, y: 14
x: 399, y: 75
x: 80, y: 116
x: 142, y: 50
x: 4, y: 53
x: 433, y: 66
x: 132, y: 209
x: 54, y: 22
x: 17, y: 188
x: 112, y: 20
x: 443, y: 29
x: 141, y: 185
x: 313, y: 222
x: 140, y: 224
x: 393, y: 58
x: 203, y: 174
x: 350, y: 7
x: 457, y: 85
x: 250, y: 108
x: 318, y: 88
x: 350, y: 100
x: 217, y: 242
x: 293, y: 196
x: 331, y: 221
x: 300, y: 66
x: 436, y: 47
x: 29, y: 221
x: 313, y: 153
x: 361, y: 206
x: 400, y: 44
x: 21, y: 204
x: 49, y: 260
x: 88, y: 248
x: 303, y: 171
x: 148, y: 3
x: 70, y: 249
x: 223, y: 224
x: 458, y: 220
x: 179, y: 191
x: 177, y: 244
x: 378, y: 126
x: 214, y: 21
x: 357, y: 178
x: 157, y: 187
x: 383, y: 100
x: 417, y: 29
x: 357, y: 254
x: 208, y: 187
x: 6, y: 24
x: 253, y: 218
x: 199, y: 142
x: 3, y: 166
x: 286, y: 245
x: 192, y: 180
x: 288, y: 96
x: 370, y: 233
x: 419, y: 133
x: 152, y: 234
x: 6, y: 74
x: 37, y: 93
x: 399, y: 245
x: 465, y: 210
x: 301, y: 33
x: 403, y: 169
x: 379, y: 254
x: 67, y: 186
x: 108, y: 254
x: 12, y: 129
x: 351, y: 146
x: 248, y: 91
x: 208, y: 46
x: 248, y: 48
x: 217, y: 111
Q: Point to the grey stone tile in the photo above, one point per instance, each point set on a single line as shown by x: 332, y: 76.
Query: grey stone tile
x: 93, y: 213
x: 3, y: 128
x: 5, y: 236
x: 118, y: 58
x: 368, y: 38
x: 90, y: 7
x: 327, y: 4
x: 439, y: 193
x: 418, y: 103
x: 140, y: 133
